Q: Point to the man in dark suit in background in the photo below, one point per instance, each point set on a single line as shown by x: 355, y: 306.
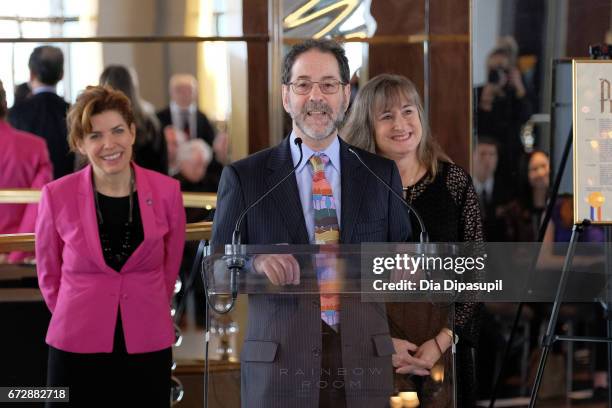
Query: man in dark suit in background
x: 308, y: 351
x: 492, y: 193
x: 44, y: 113
x: 183, y: 114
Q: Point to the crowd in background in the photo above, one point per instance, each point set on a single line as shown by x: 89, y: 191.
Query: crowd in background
x: 178, y: 140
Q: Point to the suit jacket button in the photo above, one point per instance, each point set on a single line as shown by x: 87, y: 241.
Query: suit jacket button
x: 316, y: 351
x: 124, y: 296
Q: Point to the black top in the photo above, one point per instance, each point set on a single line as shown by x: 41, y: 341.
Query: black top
x: 150, y: 149
x: 118, y: 237
x: 450, y: 210
x: 448, y: 204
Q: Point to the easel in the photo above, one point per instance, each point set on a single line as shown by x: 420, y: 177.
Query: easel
x: 550, y: 337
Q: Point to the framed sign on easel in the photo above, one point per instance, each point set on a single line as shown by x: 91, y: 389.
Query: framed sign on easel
x: 592, y: 116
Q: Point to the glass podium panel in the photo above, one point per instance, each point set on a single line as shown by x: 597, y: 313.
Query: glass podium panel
x: 318, y: 332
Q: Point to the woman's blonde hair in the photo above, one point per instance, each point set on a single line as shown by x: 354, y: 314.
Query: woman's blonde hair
x: 378, y: 95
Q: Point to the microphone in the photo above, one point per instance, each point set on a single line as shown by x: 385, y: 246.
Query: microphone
x: 424, y: 237
x: 235, y: 252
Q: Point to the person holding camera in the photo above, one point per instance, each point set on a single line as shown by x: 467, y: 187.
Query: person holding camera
x: 503, y: 106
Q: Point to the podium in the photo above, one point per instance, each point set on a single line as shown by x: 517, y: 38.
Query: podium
x: 291, y: 357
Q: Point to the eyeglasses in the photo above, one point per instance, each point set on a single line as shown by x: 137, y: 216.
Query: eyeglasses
x: 304, y: 86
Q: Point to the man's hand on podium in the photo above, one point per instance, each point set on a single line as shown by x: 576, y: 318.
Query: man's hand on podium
x: 280, y: 269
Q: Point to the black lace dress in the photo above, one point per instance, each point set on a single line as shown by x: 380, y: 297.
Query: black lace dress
x: 450, y: 211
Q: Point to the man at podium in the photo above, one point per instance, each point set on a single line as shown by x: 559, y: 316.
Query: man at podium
x: 316, y: 350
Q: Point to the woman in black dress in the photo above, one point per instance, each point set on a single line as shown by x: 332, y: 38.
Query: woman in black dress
x: 387, y: 117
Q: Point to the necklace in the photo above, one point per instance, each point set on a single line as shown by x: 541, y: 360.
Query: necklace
x: 99, y: 213
x: 410, y: 189
x: 409, y: 193
x: 118, y: 247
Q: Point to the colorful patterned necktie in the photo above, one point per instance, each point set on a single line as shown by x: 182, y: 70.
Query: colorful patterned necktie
x: 327, y: 231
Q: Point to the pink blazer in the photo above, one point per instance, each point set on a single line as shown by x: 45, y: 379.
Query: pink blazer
x: 82, y: 292
x: 24, y: 163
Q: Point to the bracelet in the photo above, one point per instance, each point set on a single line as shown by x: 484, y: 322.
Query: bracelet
x: 454, y: 338
x: 438, y: 346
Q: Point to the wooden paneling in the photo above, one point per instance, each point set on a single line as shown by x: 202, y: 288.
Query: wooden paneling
x: 587, y: 23
x: 450, y: 99
x: 449, y: 16
x: 224, y: 383
x: 255, y: 21
x: 449, y: 81
x: 397, y: 17
x: 449, y: 87
x: 403, y: 59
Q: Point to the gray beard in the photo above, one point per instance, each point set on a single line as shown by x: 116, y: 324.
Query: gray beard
x: 331, y: 129
x: 316, y: 136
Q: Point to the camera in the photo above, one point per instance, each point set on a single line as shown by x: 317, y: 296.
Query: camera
x: 600, y: 51
x: 496, y: 75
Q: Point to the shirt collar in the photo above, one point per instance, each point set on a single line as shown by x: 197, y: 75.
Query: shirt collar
x: 486, y: 185
x: 175, y: 108
x: 44, y: 88
x: 332, y: 151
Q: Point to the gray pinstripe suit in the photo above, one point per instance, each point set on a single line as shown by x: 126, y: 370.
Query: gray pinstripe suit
x: 280, y: 360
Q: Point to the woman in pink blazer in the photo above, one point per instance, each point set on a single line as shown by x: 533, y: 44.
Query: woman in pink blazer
x: 109, y: 242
